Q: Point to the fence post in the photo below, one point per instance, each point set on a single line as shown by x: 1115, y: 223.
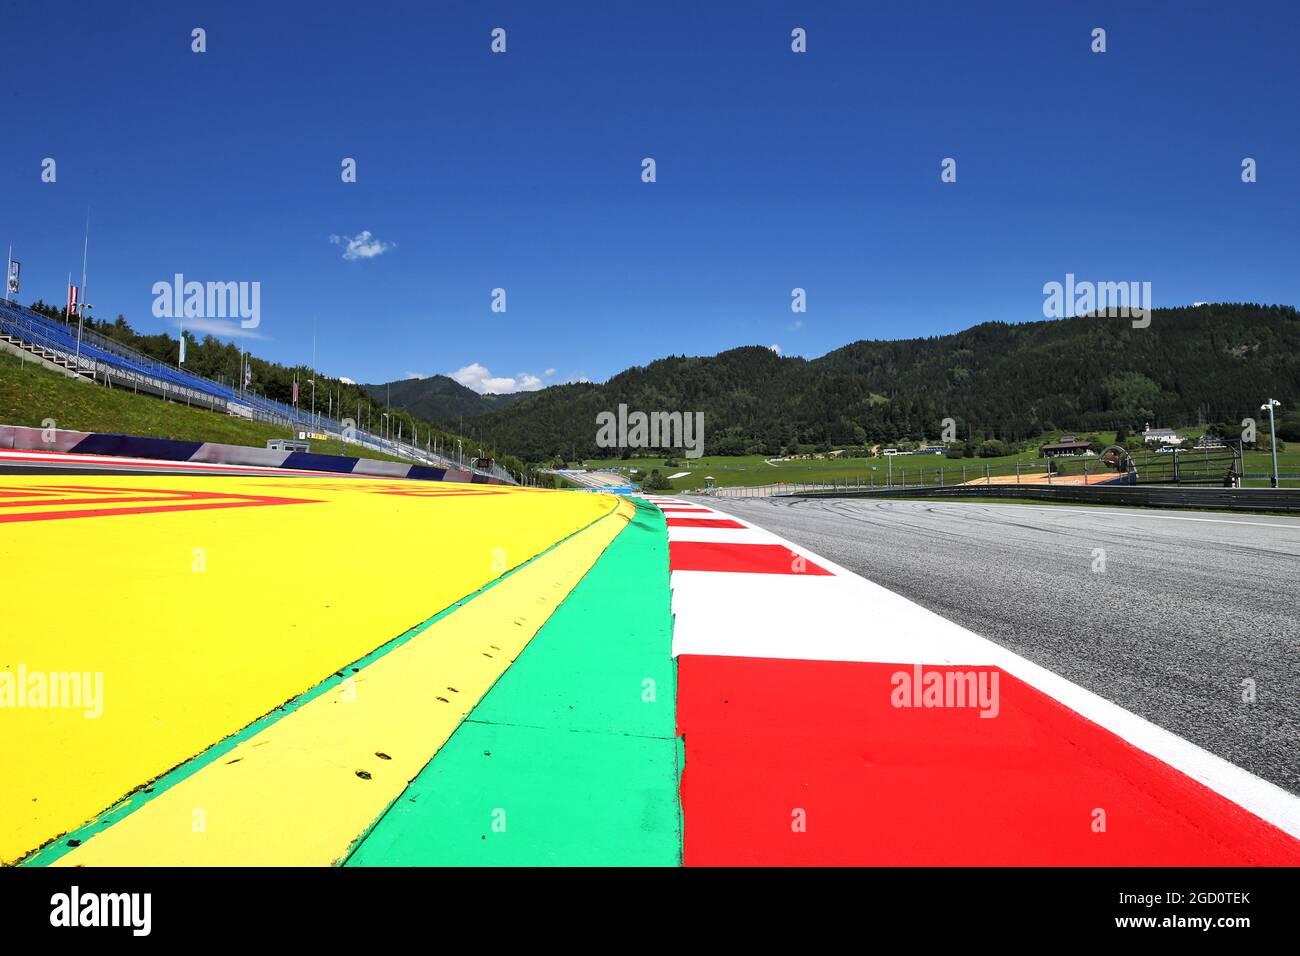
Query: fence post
x: 1017, y: 472
x: 987, y: 480
x: 941, y: 476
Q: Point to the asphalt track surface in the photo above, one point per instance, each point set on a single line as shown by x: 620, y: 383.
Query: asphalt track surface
x: 1187, y: 608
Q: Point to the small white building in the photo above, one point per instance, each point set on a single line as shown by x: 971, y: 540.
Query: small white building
x: 1161, y: 436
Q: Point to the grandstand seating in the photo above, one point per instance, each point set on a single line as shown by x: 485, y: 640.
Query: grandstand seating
x: 112, y: 363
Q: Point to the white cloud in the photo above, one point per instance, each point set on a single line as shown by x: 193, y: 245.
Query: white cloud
x: 775, y: 348
x: 549, y: 372
x: 410, y: 375
x: 362, y: 246
x: 346, y: 381
x: 481, y: 380
x: 796, y: 325
x: 217, y: 327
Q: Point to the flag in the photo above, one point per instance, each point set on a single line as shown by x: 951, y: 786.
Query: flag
x: 295, y: 391
x: 248, y: 373
x: 72, y: 297
x: 14, y: 268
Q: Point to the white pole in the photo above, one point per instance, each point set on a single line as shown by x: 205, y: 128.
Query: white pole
x: 1272, y: 436
x: 9, y: 270
x: 81, y: 306
x: 85, y: 256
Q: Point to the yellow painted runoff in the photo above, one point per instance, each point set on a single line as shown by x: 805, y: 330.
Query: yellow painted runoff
x: 301, y: 791
x: 147, y: 618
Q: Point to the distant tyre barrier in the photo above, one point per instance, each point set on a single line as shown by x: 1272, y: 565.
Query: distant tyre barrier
x: 1147, y: 496
x: 21, y: 438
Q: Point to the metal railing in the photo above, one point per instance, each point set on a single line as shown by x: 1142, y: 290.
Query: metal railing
x: 1285, y: 500
x: 1221, y: 467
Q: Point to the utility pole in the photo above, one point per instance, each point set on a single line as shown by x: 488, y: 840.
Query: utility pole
x: 1271, y: 404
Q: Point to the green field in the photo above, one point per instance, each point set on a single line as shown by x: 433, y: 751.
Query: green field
x: 911, y: 469
x: 754, y: 470
x: 31, y: 393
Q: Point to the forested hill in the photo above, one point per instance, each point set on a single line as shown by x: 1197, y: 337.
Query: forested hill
x: 1215, y: 363
x: 437, y: 398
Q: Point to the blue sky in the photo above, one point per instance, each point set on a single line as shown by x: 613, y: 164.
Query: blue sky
x: 523, y: 171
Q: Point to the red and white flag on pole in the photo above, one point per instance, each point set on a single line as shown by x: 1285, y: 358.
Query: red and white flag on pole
x: 295, y: 391
x: 72, y: 297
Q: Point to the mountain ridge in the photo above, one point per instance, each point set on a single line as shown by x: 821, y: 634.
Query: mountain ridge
x: 438, y: 398
x: 1001, y: 380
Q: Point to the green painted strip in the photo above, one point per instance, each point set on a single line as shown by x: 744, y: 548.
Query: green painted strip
x: 62, y: 845
x: 572, y: 758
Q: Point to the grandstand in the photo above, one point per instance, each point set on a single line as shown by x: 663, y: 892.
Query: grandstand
x: 104, y: 361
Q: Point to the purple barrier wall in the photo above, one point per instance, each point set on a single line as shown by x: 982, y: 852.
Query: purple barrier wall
x: 20, y: 438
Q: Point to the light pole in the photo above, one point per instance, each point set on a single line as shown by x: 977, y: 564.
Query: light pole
x: 1268, y: 406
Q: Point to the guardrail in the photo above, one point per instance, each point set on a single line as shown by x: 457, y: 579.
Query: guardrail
x: 1148, y: 496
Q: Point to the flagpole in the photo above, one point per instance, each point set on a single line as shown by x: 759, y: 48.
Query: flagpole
x: 81, y: 311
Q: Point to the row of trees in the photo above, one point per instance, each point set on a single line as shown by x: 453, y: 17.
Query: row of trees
x: 999, y: 382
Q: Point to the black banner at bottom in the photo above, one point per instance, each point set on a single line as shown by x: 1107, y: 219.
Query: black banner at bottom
x: 298, y: 905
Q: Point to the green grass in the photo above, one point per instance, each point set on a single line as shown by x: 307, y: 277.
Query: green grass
x: 753, y: 470
x: 740, y: 470
x: 31, y: 393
